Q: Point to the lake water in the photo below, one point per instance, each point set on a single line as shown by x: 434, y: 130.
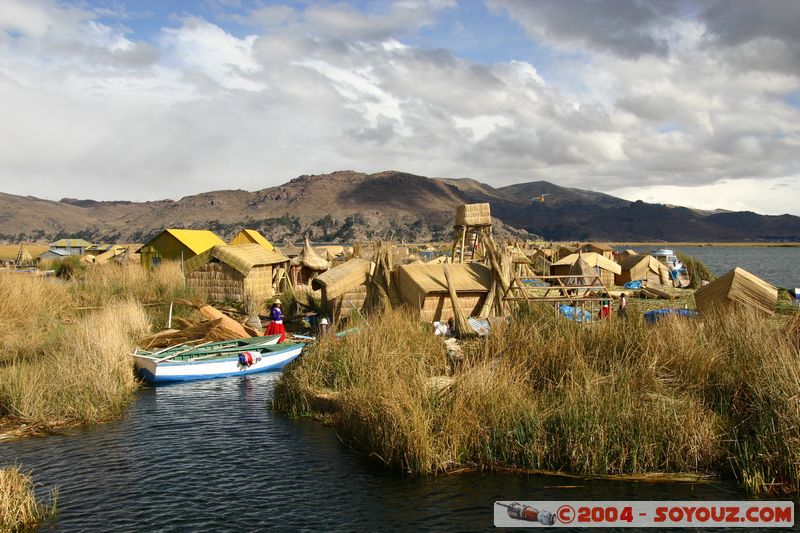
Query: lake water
x: 210, y: 456
x: 779, y: 266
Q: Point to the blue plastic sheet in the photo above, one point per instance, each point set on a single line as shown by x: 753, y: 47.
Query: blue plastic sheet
x: 575, y: 314
x: 531, y: 282
x: 633, y: 284
x: 651, y: 317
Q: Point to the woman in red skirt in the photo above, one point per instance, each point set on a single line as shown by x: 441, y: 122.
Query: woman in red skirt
x: 276, y: 326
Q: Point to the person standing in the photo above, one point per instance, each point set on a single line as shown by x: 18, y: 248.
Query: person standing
x: 605, y: 311
x: 275, y: 327
x: 623, y: 303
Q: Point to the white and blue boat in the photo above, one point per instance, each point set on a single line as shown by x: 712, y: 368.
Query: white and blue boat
x: 238, y: 357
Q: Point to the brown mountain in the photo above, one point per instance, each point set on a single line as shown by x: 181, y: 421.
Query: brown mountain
x: 347, y: 205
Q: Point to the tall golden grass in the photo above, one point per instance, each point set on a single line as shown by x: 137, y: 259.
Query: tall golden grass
x: 61, y: 363
x: 19, y: 508
x: 718, y: 395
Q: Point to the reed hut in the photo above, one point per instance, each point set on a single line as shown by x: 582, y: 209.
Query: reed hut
x: 737, y: 288
x: 580, y: 269
x: 177, y: 245
x: 628, y: 252
x: 541, y: 261
x: 251, y: 236
x: 289, y: 250
x: 565, y: 251
x: 331, y: 252
x: 424, y: 287
x: 307, y: 265
x: 645, y: 268
x: 343, y: 287
x: 603, y: 267
x: 600, y: 248
x: 233, y: 273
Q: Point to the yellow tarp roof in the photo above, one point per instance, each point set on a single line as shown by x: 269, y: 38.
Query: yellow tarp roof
x: 70, y: 243
x: 253, y: 236
x: 197, y: 240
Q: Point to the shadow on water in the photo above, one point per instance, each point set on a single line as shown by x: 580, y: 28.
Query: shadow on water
x: 209, y: 456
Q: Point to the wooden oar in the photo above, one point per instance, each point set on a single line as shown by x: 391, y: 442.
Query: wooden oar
x: 189, y: 349
x: 220, y: 351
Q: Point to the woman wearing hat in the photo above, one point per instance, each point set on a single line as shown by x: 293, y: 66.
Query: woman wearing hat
x: 275, y: 327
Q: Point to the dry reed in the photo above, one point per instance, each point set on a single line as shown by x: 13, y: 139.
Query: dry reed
x: 63, y: 364
x: 19, y: 508
x: 712, y: 396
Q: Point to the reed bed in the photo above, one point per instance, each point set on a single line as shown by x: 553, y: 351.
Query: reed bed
x: 715, y: 396
x: 64, y: 347
x: 19, y: 508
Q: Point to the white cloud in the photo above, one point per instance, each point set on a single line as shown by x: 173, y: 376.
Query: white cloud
x: 198, y: 46
x: 663, y: 99
x: 772, y: 196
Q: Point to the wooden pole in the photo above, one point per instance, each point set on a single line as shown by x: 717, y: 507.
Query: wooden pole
x: 463, y: 243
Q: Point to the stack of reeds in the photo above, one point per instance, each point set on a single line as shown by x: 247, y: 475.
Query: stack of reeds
x: 500, y: 264
x: 217, y: 327
x: 460, y: 322
x: 473, y: 215
x: 380, y: 289
x: 204, y: 331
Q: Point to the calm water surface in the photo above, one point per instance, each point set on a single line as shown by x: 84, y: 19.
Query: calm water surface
x: 778, y: 266
x: 210, y: 456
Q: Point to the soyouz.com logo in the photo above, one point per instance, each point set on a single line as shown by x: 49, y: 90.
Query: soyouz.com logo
x: 760, y: 514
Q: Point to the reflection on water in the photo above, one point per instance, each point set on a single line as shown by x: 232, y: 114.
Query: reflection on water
x: 209, y: 456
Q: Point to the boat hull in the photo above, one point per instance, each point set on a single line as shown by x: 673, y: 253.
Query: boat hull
x: 168, y: 371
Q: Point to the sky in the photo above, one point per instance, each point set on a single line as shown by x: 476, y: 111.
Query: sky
x: 693, y: 103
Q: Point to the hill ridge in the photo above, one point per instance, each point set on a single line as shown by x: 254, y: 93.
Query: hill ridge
x: 348, y: 205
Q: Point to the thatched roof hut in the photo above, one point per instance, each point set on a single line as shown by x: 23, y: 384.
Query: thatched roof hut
x: 603, y: 267
x: 580, y: 269
x: 343, y: 287
x: 737, y: 288
x: 331, y: 251
x: 598, y: 247
x: 564, y: 251
x: 290, y: 250
x: 424, y: 287
x: 644, y: 268
x: 232, y: 273
x: 307, y: 265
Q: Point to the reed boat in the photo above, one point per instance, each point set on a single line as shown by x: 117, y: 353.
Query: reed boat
x: 237, y: 357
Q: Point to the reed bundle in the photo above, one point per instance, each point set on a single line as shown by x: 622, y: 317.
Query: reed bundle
x: 460, y: 322
x: 379, y: 284
x: 205, y: 331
